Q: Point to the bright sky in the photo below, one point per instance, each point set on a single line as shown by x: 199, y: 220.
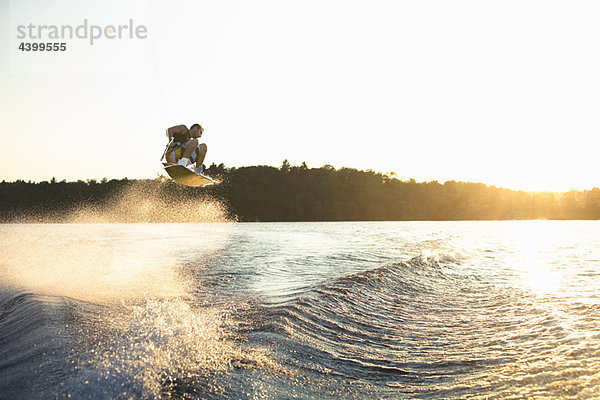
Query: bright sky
x: 500, y: 92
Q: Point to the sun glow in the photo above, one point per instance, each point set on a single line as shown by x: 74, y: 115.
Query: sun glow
x: 535, y: 240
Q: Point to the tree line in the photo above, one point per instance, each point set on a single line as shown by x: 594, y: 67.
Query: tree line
x: 299, y: 193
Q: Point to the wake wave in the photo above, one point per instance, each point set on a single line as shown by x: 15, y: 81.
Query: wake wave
x: 150, y: 349
x: 372, y: 322
x: 32, y: 328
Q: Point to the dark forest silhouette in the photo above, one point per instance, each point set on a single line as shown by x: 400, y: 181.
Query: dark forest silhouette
x: 299, y: 193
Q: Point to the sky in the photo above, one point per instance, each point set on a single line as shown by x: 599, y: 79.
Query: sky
x: 505, y: 93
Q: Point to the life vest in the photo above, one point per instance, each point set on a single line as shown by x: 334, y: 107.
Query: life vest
x: 179, y: 139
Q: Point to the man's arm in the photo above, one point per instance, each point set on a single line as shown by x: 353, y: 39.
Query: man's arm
x: 176, y: 129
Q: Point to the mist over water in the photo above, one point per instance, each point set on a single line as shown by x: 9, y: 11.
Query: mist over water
x: 300, y: 310
x: 142, y: 203
x: 145, y: 201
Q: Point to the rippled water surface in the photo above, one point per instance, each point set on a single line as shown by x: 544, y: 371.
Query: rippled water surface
x: 301, y: 310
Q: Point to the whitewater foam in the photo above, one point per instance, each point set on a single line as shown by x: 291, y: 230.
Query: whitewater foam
x: 106, y: 262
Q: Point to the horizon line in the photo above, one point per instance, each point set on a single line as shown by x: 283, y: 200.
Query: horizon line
x: 389, y: 174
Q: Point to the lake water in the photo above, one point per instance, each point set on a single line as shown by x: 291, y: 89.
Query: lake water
x: 368, y: 310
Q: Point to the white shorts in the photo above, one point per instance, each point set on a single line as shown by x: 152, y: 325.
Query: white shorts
x: 174, y: 155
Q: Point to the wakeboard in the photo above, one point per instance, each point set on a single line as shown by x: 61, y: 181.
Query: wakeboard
x: 187, y: 177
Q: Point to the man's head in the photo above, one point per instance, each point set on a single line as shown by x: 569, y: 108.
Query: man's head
x: 196, y: 131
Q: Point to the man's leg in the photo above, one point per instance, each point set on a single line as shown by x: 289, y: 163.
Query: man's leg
x: 198, y: 157
x: 190, y: 146
x: 201, y: 154
x: 188, y: 149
